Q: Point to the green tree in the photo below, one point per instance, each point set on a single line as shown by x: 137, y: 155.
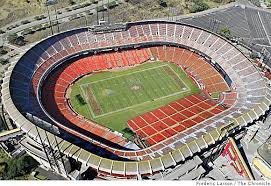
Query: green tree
x: 253, y: 55
x: 3, y: 61
x: 198, y: 6
x: 3, y: 51
x: 163, y: 3
x: 225, y: 32
x: 12, y: 37
x: 15, y: 39
x: 27, y: 31
x: 19, y: 167
x: 25, y: 22
x: 72, y: 2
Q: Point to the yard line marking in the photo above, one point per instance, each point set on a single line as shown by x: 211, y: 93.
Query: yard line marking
x: 181, y: 78
x: 125, y: 74
x: 136, y: 105
x: 88, y: 106
x: 182, y: 91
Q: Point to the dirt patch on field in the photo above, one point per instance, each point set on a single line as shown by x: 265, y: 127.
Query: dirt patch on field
x: 175, y: 77
x: 93, y: 102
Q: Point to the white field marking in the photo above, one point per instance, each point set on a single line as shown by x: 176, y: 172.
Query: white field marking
x: 88, y: 106
x: 124, y: 74
x: 172, y: 94
x: 187, y: 87
x: 181, y: 78
x: 136, y: 105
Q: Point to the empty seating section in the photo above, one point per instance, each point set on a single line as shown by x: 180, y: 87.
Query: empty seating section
x: 228, y: 98
x: 176, y: 117
x: 61, y: 79
x: 248, y: 99
x: 195, y: 65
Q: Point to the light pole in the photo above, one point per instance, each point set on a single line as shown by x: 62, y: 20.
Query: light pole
x: 50, y: 22
x: 108, y: 11
x: 49, y: 3
x: 56, y: 16
x: 97, y: 13
x: 103, y: 8
x: 86, y: 20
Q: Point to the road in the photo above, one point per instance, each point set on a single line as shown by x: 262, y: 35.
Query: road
x: 64, y: 17
x: 14, y: 47
x: 4, y: 136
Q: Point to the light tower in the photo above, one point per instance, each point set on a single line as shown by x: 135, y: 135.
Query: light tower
x: 50, y: 3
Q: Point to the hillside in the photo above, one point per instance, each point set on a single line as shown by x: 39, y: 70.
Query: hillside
x: 14, y: 10
x: 136, y: 10
x: 128, y: 10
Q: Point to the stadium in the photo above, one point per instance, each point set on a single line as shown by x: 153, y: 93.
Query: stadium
x: 131, y: 100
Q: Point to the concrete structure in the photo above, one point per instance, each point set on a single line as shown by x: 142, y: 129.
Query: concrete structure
x: 262, y: 161
x: 58, y: 145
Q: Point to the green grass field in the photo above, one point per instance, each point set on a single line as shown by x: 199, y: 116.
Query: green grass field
x: 111, y: 98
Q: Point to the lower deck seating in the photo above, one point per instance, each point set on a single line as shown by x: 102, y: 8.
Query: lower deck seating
x: 194, y: 64
x: 176, y: 117
x: 54, y: 90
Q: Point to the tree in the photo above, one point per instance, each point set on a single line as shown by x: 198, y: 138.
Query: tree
x: 39, y: 17
x: 26, y: 164
x: 3, y: 61
x: 12, y: 37
x: 72, y: 2
x: 199, y: 6
x: 254, y: 55
x: 25, y: 22
x: 15, y: 39
x: 27, y: 31
x: 19, y: 167
x: 100, y: 8
x: 163, y: 3
x: 225, y: 32
x: 3, y: 51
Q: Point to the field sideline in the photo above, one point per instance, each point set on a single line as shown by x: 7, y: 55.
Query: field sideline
x: 113, y: 97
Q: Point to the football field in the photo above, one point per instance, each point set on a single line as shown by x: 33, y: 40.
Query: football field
x: 113, y: 97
